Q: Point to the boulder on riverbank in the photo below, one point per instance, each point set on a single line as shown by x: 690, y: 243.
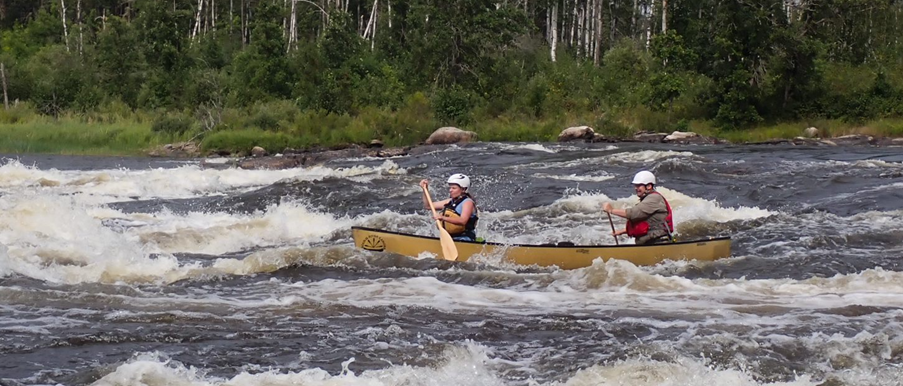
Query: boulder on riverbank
x: 450, y: 135
x: 258, y: 151
x: 577, y: 133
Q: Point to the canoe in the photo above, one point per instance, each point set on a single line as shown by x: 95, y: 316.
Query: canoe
x: 562, y: 256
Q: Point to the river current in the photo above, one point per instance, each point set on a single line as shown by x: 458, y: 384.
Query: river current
x: 125, y: 271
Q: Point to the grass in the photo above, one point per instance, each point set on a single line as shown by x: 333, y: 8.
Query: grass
x: 886, y: 127
x: 118, y: 131
x: 64, y: 137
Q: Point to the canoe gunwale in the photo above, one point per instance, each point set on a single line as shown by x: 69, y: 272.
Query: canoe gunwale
x: 543, y: 245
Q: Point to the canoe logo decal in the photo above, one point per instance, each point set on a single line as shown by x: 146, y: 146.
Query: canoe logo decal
x: 374, y: 243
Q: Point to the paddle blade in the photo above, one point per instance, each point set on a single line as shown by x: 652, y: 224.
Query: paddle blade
x: 449, y: 251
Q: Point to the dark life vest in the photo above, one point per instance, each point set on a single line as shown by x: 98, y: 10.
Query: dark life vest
x: 470, y: 229
x: 641, y: 228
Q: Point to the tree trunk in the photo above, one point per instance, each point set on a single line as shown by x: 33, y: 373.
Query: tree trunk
x: 292, y: 33
x: 65, y: 28
x: 375, y: 22
x: 370, y: 22
x: 573, y: 19
x: 633, y: 11
x: 590, y: 27
x: 597, y: 45
x: 81, y: 36
x: 554, y: 27
x: 664, y: 16
x: 649, y: 26
x: 579, y: 41
x: 3, y: 78
x: 197, y: 20
x: 231, y: 8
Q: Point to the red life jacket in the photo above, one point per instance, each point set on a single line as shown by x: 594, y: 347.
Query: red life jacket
x: 642, y: 228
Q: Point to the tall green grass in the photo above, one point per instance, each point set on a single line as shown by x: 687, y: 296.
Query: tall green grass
x: 68, y: 137
x: 114, y: 129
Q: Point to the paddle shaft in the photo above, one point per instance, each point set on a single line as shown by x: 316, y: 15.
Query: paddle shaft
x: 449, y: 251
x: 613, y: 228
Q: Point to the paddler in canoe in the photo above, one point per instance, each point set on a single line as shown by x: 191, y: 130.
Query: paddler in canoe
x: 650, y: 221
x: 459, y: 210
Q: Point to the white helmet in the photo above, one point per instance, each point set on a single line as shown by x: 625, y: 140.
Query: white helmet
x: 644, y: 177
x: 460, y: 180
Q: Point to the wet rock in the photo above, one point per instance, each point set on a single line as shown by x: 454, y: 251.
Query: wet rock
x: 179, y: 149
x: 449, y: 135
x: 293, y: 158
x: 577, y: 133
x: 258, y: 151
x: 390, y: 152
x: 812, y: 132
x: 601, y: 138
x: 272, y: 162
x: 854, y: 139
x: 650, y: 137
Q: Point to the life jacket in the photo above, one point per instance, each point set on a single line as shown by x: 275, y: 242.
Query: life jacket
x: 453, y: 208
x: 641, y: 228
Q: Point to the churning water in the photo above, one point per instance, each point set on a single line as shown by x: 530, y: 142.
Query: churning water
x: 160, y: 272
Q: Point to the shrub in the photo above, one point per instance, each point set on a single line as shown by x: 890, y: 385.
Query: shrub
x: 171, y: 124
x: 453, y: 105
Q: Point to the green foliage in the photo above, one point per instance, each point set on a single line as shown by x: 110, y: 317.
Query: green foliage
x: 60, y: 81
x: 453, y: 105
x: 242, y: 141
x: 262, y: 71
x: 20, y: 113
x: 120, y: 66
x: 737, y: 69
x: 171, y: 124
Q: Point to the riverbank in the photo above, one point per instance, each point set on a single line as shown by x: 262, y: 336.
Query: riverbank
x: 142, y: 134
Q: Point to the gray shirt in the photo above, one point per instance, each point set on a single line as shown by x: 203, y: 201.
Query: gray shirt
x: 653, y: 210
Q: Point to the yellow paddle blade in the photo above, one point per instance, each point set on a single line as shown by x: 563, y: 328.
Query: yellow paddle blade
x: 449, y: 251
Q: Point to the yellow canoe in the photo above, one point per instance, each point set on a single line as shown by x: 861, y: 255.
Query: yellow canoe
x: 563, y: 256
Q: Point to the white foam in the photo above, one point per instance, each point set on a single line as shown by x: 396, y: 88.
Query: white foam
x: 574, y: 177
x: 217, y: 233
x: 55, y: 239
x: 646, y: 156
x: 465, y: 364
x: 181, y: 182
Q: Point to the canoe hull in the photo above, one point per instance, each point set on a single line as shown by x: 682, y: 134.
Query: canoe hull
x: 565, y: 257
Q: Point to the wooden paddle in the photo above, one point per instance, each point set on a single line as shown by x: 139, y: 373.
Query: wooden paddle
x: 449, y: 251
x: 613, y: 228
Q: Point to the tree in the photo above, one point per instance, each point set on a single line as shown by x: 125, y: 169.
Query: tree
x: 261, y: 72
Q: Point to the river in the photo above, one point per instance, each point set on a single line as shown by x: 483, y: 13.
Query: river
x: 131, y: 271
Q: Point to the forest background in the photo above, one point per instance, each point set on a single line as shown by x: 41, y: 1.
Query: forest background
x: 122, y: 76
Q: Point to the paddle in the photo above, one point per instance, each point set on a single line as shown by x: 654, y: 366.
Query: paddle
x: 449, y: 252
x: 613, y: 228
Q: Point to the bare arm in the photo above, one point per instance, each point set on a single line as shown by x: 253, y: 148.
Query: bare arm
x: 436, y: 204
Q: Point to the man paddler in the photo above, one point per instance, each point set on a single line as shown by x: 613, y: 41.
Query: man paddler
x: 650, y: 221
